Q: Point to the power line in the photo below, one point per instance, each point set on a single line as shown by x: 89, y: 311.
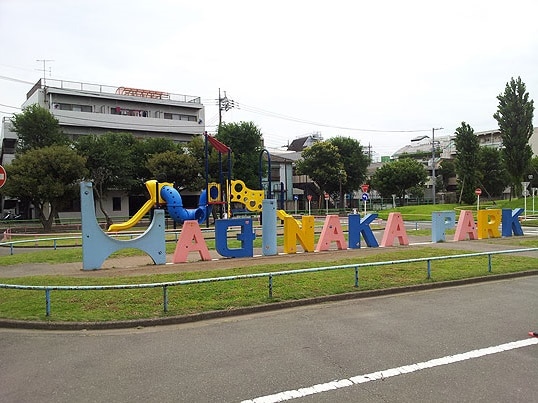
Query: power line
x: 264, y: 112
x: 8, y: 106
x: 16, y: 80
x: 259, y: 111
x: 16, y: 67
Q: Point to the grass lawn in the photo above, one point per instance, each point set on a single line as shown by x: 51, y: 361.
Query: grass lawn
x: 106, y: 305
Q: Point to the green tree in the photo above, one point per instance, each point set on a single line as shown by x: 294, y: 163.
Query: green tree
x: 493, y: 174
x: 36, y: 127
x: 322, y: 162
x: 447, y: 170
x: 46, y: 176
x: 196, y: 148
x: 467, y: 162
x: 181, y: 168
x: 245, y: 140
x: 354, y: 162
x: 399, y: 177
x: 143, y: 150
x: 514, y: 116
x: 110, y: 164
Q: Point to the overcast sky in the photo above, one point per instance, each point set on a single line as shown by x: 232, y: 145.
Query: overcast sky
x: 381, y: 72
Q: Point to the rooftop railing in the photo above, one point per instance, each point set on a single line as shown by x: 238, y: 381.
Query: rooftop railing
x: 107, y: 89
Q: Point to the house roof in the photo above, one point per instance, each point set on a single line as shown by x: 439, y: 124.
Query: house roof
x: 279, y: 155
x: 298, y: 144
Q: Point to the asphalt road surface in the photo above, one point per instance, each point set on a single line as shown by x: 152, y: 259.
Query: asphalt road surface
x: 260, y: 355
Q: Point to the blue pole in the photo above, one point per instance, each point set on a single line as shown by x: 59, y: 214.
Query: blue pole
x: 206, y: 150
x: 260, y: 171
x: 269, y: 235
x: 47, y: 302
x: 165, y: 298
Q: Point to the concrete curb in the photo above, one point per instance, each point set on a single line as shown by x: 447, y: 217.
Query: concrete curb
x: 174, y: 320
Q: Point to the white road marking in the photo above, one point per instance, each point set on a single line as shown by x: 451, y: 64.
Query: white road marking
x: 406, y: 369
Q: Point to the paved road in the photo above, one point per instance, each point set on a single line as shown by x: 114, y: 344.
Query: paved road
x: 242, y: 358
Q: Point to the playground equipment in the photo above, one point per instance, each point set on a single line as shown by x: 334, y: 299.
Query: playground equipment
x: 97, y: 246
x: 165, y: 194
x: 252, y: 199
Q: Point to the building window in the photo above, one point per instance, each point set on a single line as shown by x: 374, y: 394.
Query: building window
x: 128, y: 112
x: 72, y: 206
x: 178, y: 116
x: 116, y: 204
x: 73, y: 107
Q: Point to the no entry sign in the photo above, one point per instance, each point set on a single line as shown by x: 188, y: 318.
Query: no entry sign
x: 3, y: 176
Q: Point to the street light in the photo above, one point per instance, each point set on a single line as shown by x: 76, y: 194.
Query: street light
x: 434, y: 178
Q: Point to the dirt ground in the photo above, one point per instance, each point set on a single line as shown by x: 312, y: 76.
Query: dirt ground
x: 143, y: 265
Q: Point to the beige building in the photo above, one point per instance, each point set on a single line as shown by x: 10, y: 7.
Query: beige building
x: 85, y: 109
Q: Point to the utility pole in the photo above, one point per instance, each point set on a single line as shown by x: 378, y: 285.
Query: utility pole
x: 224, y: 105
x: 434, y: 178
x: 44, y: 70
x: 220, y: 110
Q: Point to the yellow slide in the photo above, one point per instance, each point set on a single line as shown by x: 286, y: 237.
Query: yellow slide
x: 134, y: 219
x: 151, y: 185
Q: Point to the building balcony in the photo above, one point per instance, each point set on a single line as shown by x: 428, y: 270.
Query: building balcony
x: 104, y: 121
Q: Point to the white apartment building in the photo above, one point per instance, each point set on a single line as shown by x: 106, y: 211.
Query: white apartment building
x: 83, y: 108
x: 87, y: 109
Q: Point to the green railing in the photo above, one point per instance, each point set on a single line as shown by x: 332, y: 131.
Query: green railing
x: 270, y: 276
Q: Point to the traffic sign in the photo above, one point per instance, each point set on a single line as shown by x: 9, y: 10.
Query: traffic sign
x: 365, y: 187
x: 309, y: 197
x: 3, y: 176
x: 365, y: 196
x: 295, y: 197
x: 478, y: 191
x: 326, y: 195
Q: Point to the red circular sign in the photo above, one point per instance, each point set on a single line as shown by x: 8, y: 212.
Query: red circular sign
x: 478, y: 191
x: 3, y: 176
x: 326, y: 195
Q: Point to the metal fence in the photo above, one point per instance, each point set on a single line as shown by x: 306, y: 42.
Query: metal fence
x: 269, y: 275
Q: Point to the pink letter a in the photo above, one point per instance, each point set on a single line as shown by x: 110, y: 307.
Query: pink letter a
x: 191, y: 239
x: 466, y: 226
x: 332, y: 231
x: 395, y: 228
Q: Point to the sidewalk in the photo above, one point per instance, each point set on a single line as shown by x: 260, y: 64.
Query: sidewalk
x: 143, y: 264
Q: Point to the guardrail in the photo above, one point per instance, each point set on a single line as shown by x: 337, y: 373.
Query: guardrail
x: 209, y: 233
x: 269, y: 275
x: 56, y: 240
